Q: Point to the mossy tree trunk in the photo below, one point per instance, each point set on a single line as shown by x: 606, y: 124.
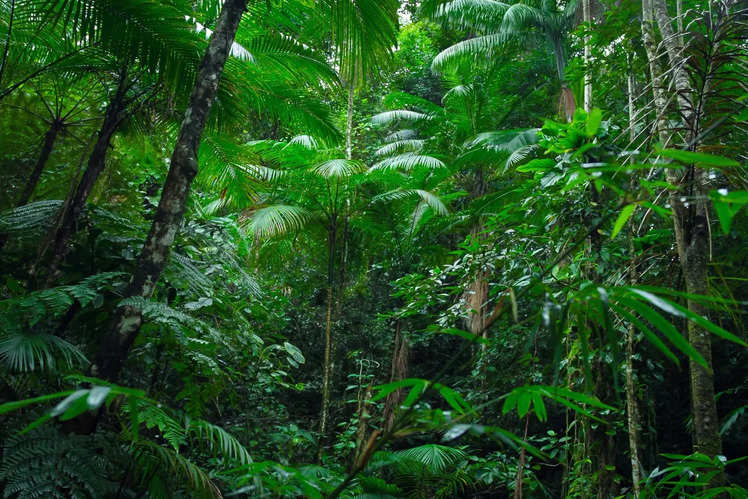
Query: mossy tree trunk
x: 171, y: 207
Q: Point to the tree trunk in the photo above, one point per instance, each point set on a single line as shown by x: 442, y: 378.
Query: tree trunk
x: 327, y: 368
x: 71, y: 211
x: 692, y: 242
x: 655, y: 73
x: 41, y: 162
x: 587, y: 18
x: 36, y: 173
x: 632, y: 403
x: 398, y: 371
x: 127, y: 320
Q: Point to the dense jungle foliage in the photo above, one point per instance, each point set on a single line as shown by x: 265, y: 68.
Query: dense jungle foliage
x: 372, y: 249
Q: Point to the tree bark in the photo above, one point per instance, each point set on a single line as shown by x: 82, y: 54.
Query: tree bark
x: 398, y: 371
x: 655, y: 73
x: 171, y: 207
x: 72, y: 210
x: 587, y: 57
x: 692, y: 241
x: 632, y: 402
x: 49, y: 143
x: 327, y: 368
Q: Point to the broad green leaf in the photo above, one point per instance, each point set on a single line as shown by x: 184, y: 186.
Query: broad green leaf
x: 623, y: 217
x: 539, y: 405
x: 523, y: 403
x: 593, y: 122
x: 294, y: 352
x: 698, y: 158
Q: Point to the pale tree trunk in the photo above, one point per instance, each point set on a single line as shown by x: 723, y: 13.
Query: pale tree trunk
x: 182, y: 171
x: 72, y: 210
x: 327, y: 367
x: 655, y: 73
x: 692, y: 242
x: 632, y: 403
x: 587, y: 18
x: 632, y: 110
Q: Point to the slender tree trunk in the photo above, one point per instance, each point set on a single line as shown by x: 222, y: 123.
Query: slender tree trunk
x: 127, y: 320
x: 632, y: 402
x: 41, y: 162
x: 36, y: 173
x: 692, y: 242
x: 587, y: 57
x: 72, y: 210
x: 398, y: 371
x: 655, y: 73
x: 632, y: 104
x: 327, y: 368
x: 349, y: 124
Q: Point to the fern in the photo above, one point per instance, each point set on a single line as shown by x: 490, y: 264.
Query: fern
x: 220, y: 439
x: 29, y: 218
x: 46, y: 463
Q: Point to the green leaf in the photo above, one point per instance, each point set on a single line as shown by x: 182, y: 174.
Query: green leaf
x: 623, y: 217
x: 593, y: 122
x: 462, y: 334
x: 523, y: 403
x: 670, y: 332
x: 74, y: 404
x: 294, y: 352
x: 539, y: 405
x: 708, y: 325
x: 697, y: 158
x: 651, y: 336
x: 727, y: 205
x: 18, y: 404
x: 97, y: 396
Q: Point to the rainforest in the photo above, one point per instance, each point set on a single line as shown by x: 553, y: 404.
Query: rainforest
x: 373, y: 249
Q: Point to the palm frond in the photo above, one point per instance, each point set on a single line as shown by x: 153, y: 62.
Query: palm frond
x: 276, y: 220
x: 387, y: 117
x: 408, y: 162
x: 339, y: 168
x: 398, y: 146
x: 429, y: 199
x: 436, y: 458
x: 483, y: 46
x: 28, y: 351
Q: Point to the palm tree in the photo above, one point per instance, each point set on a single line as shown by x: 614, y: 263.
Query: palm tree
x: 498, y: 25
x: 347, y: 25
